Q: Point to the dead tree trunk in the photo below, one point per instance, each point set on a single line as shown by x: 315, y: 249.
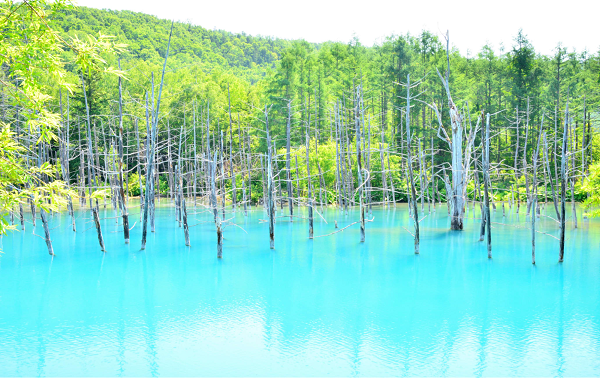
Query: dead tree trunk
x: 170, y: 163
x: 528, y: 194
x: 571, y: 175
x: 46, y: 232
x: 308, y: 181
x: 233, y: 188
x: 195, y: 155
x: 563, y: 186
x: 287, y: 162
x: 554, y: 199
x: 457, y: 189
x: 486, y: 180
x: 183, y: 209
x: 149, y: 175
x: 150, y: 152
x: 91, y: 172
x: 122, y: 202
x: 432, y: 202
x: 98, y: 229
x: 276, y: 173
x: 517, y: 164
x: 483, y: 215
x: 359, y: 163
x: 242, y: 158
x: 368, y: 159
x: 322, y: 187
x: 384, y: 192
x: 81, y: 189
x: 177, y: 183
x: 421, y: 178
x: 21, y: 217
x: 534, y: 193
x: 413, y: 200
x: 271, y: 204
x: 64, y: 160
x: 213, y: 193
x: 338, y: 176
x: 222, y: 177
x: 139, y: 168
x: 249, y: 160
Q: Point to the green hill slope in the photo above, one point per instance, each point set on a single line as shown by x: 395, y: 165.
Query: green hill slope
x: 146, y: 36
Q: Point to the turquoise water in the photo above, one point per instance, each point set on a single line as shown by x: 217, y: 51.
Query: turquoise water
x: 331, y: 306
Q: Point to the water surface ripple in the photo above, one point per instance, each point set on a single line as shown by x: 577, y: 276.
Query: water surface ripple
x: 330, y: 306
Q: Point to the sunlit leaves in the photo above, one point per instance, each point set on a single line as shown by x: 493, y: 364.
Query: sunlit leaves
x: 591, y: 186
x: 31, y: 53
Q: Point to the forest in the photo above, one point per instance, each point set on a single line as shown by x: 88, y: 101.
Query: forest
x: 102, y: 106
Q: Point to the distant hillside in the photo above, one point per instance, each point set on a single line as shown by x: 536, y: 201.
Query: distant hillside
x: 146, y: 36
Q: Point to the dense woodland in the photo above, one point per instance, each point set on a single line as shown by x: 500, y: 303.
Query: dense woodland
x: 95, y: 101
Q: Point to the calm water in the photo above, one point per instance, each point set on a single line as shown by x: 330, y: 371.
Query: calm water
x: 332, y: 306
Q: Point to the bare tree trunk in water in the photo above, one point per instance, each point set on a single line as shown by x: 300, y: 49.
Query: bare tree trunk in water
x: 64, y: 160
x: 310, y: 201
x: 271, y: 204
x: 139, y: 169
x: 516, y: 164
x: 456, y: 191
x: 46, y: 232
x: 384, y: 193
x: 182, y: 209
x: 486, y: 179
x: 563, y: 187
x: 149, y: 174
x: 150, y: 151
x: 233, y: 187
x: 534, y: 193
x: 213, y: 169
x: 413, y: 191
x: 359, y: 170
x: 98, y: 229
x: 21, y: 217
x: 122, y: 202
x: 287, y: 163
x: 554, y: 199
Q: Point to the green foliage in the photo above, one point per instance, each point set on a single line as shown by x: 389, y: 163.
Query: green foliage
x: 591, y: 187
x: 134, y: 184
x: 204, y: 64
x: 210, y: 69
x: 33, y: 55
x: 20, y: 183
x: 326, y: 160
x: 163, y: 184
x: 146, y: 36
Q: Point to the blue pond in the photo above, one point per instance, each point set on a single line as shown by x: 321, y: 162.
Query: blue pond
x: 330, y: 306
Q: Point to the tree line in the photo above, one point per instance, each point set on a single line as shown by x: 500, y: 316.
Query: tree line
x: 330, y: 124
